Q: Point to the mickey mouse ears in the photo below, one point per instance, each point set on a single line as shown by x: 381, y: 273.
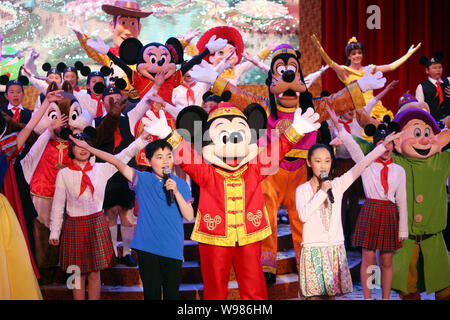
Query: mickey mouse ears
x: 21, y: 81
x: 384, y: 129
x: 436, y: 58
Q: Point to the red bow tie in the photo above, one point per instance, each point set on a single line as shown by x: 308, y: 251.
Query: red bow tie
x: 190, y: 92
x: 384, y: 173
x: 85, y: 180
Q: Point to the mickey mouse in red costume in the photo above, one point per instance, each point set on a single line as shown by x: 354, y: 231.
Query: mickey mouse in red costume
x: 231, y: 219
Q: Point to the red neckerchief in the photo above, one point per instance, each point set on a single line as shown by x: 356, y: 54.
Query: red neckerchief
x: 189, y: 92
x: 114, y: 51
x: 346, y: 125
x: 16, y: 116
x: 99, y: 112
x: 85, y: 180
x: 384, y: 173
x: 77, y: 89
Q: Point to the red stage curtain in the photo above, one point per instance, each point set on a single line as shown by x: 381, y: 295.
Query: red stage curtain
x: 403, y: 23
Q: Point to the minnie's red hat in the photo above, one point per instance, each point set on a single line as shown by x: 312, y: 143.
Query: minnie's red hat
x: 225, y: 32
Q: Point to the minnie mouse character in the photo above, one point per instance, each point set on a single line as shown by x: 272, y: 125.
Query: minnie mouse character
x: 231, y: 219
x: 150, y: 60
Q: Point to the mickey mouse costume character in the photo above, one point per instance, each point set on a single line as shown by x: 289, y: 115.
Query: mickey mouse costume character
x: 231, y: 218
x: 287, y: 93
x: 151, y: 59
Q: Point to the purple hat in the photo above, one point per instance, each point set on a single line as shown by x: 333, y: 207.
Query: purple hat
x: 403, y: 117
x: 283, y: 48
x: 406, y: 98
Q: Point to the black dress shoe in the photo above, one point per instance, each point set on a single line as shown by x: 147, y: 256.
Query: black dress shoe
x: 270, y: 278
x: 128, y: 261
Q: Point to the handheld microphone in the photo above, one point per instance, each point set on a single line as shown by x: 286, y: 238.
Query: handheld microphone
x: 166, y: 176
x: 324, y: 176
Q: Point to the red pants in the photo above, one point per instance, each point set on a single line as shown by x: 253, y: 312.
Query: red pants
x: 216, y: 261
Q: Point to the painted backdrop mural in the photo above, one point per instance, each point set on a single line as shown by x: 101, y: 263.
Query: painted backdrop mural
x: 45, y: 24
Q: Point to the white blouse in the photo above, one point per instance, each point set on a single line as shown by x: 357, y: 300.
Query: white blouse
x: 67, y: 189
x: 371, y: 178
x: 311, y: 207
x: 179, y: 95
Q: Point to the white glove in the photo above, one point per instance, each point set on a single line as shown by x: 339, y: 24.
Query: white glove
x: 371, y: 82
x: 156, y: 127
x: 307, y: 122
x: 98, y: 45
x: 204, y: 72
x: 29, y: 62
x: 214, y: 45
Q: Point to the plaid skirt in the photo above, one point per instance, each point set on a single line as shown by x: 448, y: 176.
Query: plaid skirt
x: 377, y: 226
x: 86, y: 243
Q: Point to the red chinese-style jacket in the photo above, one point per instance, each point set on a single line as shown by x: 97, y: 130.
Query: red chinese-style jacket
x: 231, y: 208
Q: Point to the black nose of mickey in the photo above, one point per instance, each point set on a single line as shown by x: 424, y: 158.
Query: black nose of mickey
x: 288, y: 76
x: 161, y: 62
x: 236, y: 137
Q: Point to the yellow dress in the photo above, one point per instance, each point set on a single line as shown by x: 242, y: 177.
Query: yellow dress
x: 17, y: 278
x: 378, y: 111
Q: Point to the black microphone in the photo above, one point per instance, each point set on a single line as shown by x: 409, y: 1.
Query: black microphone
x: 166, y: 176
x: 324, y: 176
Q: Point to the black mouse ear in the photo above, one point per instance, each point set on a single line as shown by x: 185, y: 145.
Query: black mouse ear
x: 79, y: 65
x: 106, y: 71
x: 46, y: 66
x: 65, y: 133
x: 176, y: 49
x: 191, y: 123
x: 120, y: 83
x: 61, y: 66
x: 423, y: 60
x: 90, y: 131
x: 206, y: 95
x: 226, y: 96
x: 99, y: 87
x: 381, y: 126
x: 386, y: 118
x: 129, y: 50
x: 370, y: 130
x: 4, y: 79
x: 394, y: 126
x: 23, y: 80
x: 85, y: 71
x: 438, y: 56
x: 256, y: 119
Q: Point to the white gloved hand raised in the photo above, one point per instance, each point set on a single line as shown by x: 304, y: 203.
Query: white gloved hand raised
x: 214, y: 44
x: 204, y: 72
x: 307, y: 122
x: 371, y: 82
x: 156, y: 127
x: 98, y: 45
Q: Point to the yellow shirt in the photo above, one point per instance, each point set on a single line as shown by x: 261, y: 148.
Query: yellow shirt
x: 378, y: 111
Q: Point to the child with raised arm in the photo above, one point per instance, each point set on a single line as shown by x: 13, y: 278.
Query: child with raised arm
x: 159, y: 235
x: 324, y: 271
x: 378, y: 226
x: 79, y: 192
